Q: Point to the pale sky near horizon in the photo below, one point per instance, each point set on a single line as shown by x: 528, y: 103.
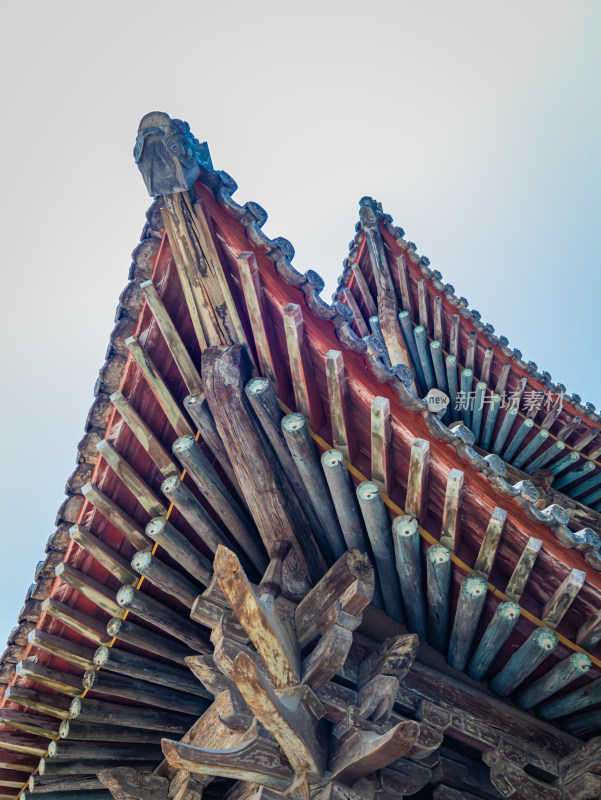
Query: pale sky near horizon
x: 476, y: 125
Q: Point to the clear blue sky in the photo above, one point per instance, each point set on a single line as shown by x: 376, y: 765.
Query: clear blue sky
x: 477, y: 125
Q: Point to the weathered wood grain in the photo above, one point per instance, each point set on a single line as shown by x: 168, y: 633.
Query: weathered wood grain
x: 478, y: 411
x: 490, y: 542
x: 128, y: 783
x: 395, y: 657
x: 547, y: 455
x: 159, y: 388
x: 135, y: 666
x: 51, y: 768
x: 257, y: 760
x: 306, y: 458
x: 125, y: 524
x: 409, y: 337
x: 515, y: 784
x: 90, y: 588
x: 589, y: 633
x: 193, y: 512
x: 37, y: 724
x: 163, y: 617
x: 453, y: 384
x: 212, y: 616
x: 503, y: 377
x: 466, y: 383
x: 62, y: 682
x: 450, y: 526
x: 423, y: 350
x: 263, y: 624
x: 127, y: 631
x: 470, y: 352
x: 174, y: 341
x: 157, y: 695
x: 267, y: 409
x: 559, y: 676
x: 438, y: 561
x: 350, y: 581
x: 261, y: 323
x: 21, y: 743
x: 103, y: 554
x: 165, y: 578
x: 514, y: 445
x: 328, y: 656
x: 438, y: 364
x: 394, y: 340
x: 363, y: 290
x: 180, y: 549
x: 454, y: 336
x: 359, y: 320
x: 416, y: 503
x: 75, y: 731
x: 188, y: 281
x: 294, y: 728
x: 306, y: 394
x: 52, y: 704
x: 144, y: 435
x: 381, y: 444
x: 102, y: 751
x: 438, y: 319
x: 487, y: 365
x: 490, y: 421
x: 496, y: 634
x: 470, y: 605
x: 91, y: 628
x: 275, y: 511
x: 524, y: 661
x: 119, y: 715
x: 379, y: 533
x: 64, y: 648
x: 197, y: 406
x: 340, y: 411
x: 523, y: 568
x: 406, y: 540
x: 358, y: 753
x: 130, y: 478
x: 202, y: 225
x: 342, y: 492
x: 562, y: 598
x: 191, y: 455
x: 510, y: 416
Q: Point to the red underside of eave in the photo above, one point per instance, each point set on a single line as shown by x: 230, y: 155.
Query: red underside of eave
x: 556, y: 559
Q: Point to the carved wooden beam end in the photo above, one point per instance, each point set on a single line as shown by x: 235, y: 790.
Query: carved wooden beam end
x: 292, y: 719
x: 257, y: 759
x: 126, y: 783
x: 275, y: 705
x: 261, y: 622
x: 509, y: 778
x: 356, y: 752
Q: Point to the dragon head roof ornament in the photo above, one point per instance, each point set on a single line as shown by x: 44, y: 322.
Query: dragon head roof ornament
x: 168, y: 155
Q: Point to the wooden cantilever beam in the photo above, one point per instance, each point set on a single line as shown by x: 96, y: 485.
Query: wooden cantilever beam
x: 358, y: 753
x: 274, y: 508
x: 127, y: 783
x: 350, y: 580
x: 256, y: 760
x: 294, y: 728
x: 262, y: 623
